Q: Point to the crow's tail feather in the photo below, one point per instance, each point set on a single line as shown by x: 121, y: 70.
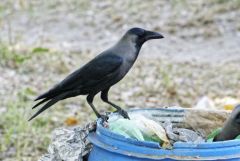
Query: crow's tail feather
x: 49, y: 94
x: 48, y: 104
x: 44, y: 95
x: 41, y: 102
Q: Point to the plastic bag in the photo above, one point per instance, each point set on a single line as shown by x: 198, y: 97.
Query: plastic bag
x: 126, y: 128
x: 140, y: 128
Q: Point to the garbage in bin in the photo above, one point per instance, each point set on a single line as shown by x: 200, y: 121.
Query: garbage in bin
x: 182, y: 134
x: 144, y: 129
x: 112, y: 146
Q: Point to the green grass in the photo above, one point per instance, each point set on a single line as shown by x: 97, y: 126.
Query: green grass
x: 10, y: 56
x: 26, y: 138
x: 13, y: 58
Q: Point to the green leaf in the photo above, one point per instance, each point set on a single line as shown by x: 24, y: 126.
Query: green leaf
x: 40, y: 50
x: 214, y: 133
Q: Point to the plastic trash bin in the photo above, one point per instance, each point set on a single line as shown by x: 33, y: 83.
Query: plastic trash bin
x: 108, y: 146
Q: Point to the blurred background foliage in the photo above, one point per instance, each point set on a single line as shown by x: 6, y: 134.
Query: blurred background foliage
x: 42, y: 41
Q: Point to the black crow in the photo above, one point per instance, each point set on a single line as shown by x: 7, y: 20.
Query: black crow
x: 100, y: 73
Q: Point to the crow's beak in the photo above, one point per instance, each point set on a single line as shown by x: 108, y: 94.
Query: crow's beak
x: 152, y: 35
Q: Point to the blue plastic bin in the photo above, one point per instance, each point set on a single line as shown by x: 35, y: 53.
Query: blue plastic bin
x: 108, y: 146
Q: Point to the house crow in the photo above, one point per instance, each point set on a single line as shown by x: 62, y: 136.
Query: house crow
x: 100, y: 74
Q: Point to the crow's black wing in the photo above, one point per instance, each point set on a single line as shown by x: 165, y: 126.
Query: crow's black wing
x: 92, y: 72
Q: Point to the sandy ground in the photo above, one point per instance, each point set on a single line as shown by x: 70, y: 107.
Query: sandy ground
x: 191, y: 32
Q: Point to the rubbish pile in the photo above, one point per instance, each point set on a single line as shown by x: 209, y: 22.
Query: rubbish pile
x: 144, y: 129
x: 163, y: 126
x: 166, y: 134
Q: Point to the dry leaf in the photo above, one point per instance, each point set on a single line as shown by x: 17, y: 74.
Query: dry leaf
x: 71, y: 121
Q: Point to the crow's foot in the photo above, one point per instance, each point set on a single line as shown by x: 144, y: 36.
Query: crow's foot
x: 104, y: 118
x: 123, y: 113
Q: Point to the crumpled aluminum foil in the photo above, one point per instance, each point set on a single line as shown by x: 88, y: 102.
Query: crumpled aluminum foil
x: 69, y: 144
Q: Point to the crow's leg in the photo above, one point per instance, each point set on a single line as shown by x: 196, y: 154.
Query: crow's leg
x: 104, y: 97
x: 90, y: 100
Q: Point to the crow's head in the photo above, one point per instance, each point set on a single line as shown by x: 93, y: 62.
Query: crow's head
x: 139, y: 36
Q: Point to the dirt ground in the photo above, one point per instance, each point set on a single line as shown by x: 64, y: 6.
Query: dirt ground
x: 42, y: 41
